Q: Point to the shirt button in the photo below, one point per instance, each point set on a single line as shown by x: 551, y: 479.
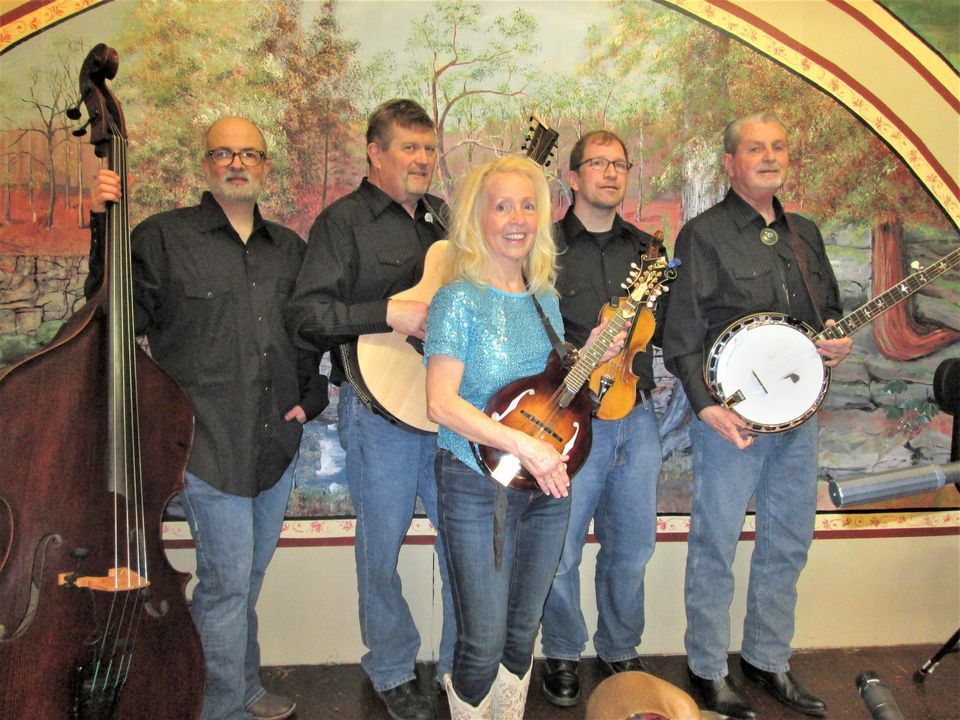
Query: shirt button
x: 259, y: 318
x: 254, y: 283
x: 209, y: 293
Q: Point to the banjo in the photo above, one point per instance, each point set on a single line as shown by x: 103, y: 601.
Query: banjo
x: 765, y: 366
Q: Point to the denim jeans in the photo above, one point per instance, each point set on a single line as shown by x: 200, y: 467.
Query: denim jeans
x: 498, y: 611
x: 387, y: 468
x: 235, y: 538
x: 780, y: 472
x: 617, y: 488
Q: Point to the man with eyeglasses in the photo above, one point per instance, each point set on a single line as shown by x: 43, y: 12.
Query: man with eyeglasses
x: 364, y: 248
x: 210, y: 285
x: 617, y: 486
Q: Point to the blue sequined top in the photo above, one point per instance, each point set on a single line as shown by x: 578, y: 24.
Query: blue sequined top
x: 498, y: 336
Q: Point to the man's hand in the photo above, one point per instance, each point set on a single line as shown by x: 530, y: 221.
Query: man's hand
x: 408, y: 317
x: 105, y: 188
x: 296, y: 413
x: 728, y: 425
x: 833, y: 351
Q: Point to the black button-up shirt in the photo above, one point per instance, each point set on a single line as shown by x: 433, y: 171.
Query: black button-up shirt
x: 212, y: 309
x: 728, y: 272
x: 362, y: 249
x: 591, y: 273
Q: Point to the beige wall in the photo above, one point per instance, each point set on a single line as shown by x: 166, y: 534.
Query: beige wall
x: 854, y: 592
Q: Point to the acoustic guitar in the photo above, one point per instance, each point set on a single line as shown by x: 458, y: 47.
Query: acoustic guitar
x: 555, y: 406
x: 387, y: 369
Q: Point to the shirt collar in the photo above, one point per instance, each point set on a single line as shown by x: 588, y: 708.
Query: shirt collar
x: 745, y: 215
x: 379, y: 201
x: 212, y: 217
x: 574, y: 229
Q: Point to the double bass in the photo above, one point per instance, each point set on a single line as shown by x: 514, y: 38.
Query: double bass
x: 94, y: 439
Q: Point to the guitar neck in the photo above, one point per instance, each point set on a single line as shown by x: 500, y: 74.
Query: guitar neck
x: 869, y: 311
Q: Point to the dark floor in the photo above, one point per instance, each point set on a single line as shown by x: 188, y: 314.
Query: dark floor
x: 342, y: 692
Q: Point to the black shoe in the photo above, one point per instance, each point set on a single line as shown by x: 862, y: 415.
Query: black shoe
x: 406, y: 702
x: 722, y: 696
x: 633, y: 664
x: 785, y: 687
x: 560, y: 685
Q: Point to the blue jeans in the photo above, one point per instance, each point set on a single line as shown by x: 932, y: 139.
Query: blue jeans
x: 780, y: 472
x: 617, y: 488
x: 498, y: 612
x: 387, y: 468
x: 235, y: 538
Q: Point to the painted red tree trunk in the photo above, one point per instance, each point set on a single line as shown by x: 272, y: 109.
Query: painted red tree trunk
x: 897, y: 333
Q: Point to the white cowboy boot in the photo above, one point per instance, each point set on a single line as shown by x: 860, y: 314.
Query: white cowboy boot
x: 462, y: 710
x: 510, y: 694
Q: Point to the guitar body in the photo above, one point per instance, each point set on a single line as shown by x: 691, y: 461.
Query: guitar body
x: 391, y: 364
x: 613, y: 381
x: 533, y: 405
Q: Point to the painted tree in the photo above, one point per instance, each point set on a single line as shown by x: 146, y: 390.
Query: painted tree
x: 460, y: 54
x: 205, y: 60
x: 50, y: 91
x: 318, y: 84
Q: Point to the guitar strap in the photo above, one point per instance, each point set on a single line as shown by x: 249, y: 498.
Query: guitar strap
x: 797, y: 245
x: 559, y: 347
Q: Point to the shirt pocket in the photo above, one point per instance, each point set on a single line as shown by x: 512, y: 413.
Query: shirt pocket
x: 757, y: 285
x: 209, y: 301
x: 397, y: 257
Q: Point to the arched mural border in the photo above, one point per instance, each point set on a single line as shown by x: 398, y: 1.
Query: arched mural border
x: 786, y: 49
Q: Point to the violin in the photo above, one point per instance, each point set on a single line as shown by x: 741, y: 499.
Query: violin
x: 94, y: 437
x: 613, y: 382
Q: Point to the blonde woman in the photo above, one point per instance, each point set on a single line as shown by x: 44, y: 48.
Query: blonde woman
x: 483, y: 332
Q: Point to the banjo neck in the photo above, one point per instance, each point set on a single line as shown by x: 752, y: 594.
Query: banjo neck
x: 869, y: 311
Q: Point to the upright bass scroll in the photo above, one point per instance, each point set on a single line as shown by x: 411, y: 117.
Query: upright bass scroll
x: 93, y: 620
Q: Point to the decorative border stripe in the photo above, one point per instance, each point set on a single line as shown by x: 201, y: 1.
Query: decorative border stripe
x: 29, y: 18
x: 740, y: 23
x: 670, y: 528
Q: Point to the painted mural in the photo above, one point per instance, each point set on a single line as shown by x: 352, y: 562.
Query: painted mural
x: 309, y: 73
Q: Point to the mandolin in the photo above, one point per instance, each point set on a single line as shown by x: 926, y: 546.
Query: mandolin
x: 555, y: 405
x: 387, y: 369
x: 613, y: 381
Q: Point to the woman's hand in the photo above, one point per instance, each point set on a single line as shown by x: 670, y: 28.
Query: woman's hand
x: 548, y: 467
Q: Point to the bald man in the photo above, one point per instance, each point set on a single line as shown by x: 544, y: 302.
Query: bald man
x: 210, y: 285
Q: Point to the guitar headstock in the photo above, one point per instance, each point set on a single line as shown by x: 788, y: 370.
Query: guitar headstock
x: 646, y: 284
x: 540, y: 141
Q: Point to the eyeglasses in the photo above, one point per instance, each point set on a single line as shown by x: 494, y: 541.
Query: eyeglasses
x: 222, y: 157
x: 601, y: 165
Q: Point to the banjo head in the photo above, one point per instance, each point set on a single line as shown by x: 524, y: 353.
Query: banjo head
x: 765, y: 368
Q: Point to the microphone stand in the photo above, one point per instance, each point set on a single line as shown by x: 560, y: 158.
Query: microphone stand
x: 946, y: 391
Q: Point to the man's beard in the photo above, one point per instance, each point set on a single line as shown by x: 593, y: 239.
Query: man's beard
x: 248, y: 192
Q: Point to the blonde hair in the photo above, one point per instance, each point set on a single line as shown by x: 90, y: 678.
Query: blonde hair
x: 467, y: 255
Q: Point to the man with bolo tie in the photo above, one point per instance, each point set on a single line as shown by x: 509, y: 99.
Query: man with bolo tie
x: 362, y: 249
x: 617, y: 486
x: 739, y: 258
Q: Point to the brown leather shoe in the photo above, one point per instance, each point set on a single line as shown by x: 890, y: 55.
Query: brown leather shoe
x: 271, y: 707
